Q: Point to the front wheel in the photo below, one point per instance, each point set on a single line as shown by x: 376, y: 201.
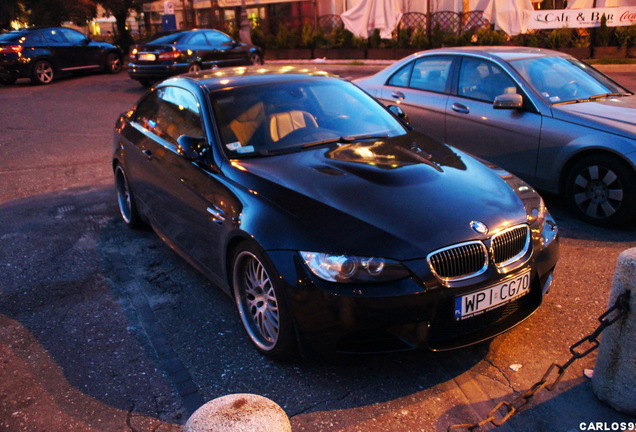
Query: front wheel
x: 194, y: 67
x: 43, y: 72
x: 113, y: 63
x: 8, y: 80
x: 126, y: 200
x: 255, y: 59
x: 601, y: 190
x: 260, y: 303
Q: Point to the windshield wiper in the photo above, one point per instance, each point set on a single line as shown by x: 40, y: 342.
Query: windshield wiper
x: 340, y: 140
x: 345, y: 140
x: 593, y: 98
x: 606, y: 95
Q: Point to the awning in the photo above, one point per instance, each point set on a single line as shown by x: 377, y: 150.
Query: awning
x: 369, y: 15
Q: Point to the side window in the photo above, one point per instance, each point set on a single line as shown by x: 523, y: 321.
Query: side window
x: 73, y: 37
x: 170, y: 112
x: 217, y: 38
x: 431, y: 74
x: 198, y: 38
x: 401, y: 77
x: 483, y: 80
x: 54, y: 36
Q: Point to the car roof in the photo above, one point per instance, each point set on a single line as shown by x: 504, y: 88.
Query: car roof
x: 34, y: 29
x: 505, y: 53
x: 216, y: 79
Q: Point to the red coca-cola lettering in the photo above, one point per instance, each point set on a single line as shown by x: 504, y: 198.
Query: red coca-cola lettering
x: 628, y: 16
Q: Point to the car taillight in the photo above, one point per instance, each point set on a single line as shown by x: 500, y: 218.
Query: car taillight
x: 169, y: 55
x: 8, y: 49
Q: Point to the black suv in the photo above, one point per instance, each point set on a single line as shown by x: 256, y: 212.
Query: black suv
x: 43, y: 53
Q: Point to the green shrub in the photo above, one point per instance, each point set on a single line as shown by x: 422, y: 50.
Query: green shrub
x: 625, y: 36
x: 560, y: 38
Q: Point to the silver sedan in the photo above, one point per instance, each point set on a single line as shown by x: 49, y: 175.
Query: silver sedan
x: 551, y: 119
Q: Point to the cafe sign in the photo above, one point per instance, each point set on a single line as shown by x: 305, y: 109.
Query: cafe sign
x: 578, y: 18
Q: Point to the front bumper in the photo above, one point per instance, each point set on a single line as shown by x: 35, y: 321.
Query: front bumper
x: 407, y: 314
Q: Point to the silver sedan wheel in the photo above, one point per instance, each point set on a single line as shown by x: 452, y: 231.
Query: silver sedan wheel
x: 598, y: 192
x: 194, y: 67
x: 256, y: 300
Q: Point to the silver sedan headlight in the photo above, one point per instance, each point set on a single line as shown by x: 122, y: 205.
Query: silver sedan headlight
x: 347, y: 268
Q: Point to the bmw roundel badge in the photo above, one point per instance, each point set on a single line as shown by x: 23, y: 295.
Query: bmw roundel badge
x: 479, y: 227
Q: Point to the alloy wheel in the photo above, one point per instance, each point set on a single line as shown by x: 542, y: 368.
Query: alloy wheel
x: 598, y: 191
x: 256, y: 300
x: 43, y: 72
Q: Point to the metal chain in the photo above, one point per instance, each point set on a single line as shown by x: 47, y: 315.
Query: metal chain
x: 501, y: 413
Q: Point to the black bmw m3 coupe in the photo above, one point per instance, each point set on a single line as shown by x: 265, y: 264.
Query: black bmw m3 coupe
x: 332, y: 225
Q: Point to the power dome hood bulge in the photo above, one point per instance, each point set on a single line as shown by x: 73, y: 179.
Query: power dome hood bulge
x: 403, y: 196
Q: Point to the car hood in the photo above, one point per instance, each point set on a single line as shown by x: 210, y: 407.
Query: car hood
x: 398, y: 198
x: 615, y: 115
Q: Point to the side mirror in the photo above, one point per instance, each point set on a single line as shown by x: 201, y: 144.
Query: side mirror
x: 399, y: 113
x: 508, y: 101
x: 191, y: 148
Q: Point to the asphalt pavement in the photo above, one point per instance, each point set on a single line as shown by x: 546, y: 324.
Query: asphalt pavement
x: 106, y: 329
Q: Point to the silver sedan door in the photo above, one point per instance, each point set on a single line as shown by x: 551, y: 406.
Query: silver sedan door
x: 507, y: 137
x: 420, y: 89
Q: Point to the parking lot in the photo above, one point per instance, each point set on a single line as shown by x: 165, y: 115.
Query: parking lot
x: 106, y: 329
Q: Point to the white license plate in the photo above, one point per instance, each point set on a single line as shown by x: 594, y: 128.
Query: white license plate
x: 490, y: 298
x: 147, y: 57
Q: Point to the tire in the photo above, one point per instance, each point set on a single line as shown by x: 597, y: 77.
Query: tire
x: 261, y: 304
x: 255, y: 59
x: 601, y: 190
x: 8, y: 80
x: 113, y: 63
x: 194, y: 67
x: 146, y: 83
x: 43, y: 72
x: 126, y: 201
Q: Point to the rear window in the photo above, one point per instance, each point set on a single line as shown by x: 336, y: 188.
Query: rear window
x: 167, y: 39
x: 11, y: 37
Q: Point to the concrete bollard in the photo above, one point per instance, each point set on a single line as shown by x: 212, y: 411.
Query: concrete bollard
x: 239, y: 413
x: 615, y: 371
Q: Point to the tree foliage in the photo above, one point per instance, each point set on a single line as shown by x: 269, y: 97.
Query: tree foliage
x: 121, y: 9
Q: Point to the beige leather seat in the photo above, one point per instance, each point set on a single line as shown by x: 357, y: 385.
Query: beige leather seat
x: 245, y: 125
x: 283, y: 123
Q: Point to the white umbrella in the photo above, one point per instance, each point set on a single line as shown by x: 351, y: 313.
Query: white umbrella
x: 373, y: 14
x: 588, y: 4
x: 507, y: 15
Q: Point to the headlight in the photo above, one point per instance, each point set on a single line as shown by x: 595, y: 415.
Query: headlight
x: 532, y: 201
x: 346, y: 268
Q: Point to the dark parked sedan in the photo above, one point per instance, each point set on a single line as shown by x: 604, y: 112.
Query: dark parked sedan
x: 43, y: 53
x: 188, y: 51
x: 554, y: 121
x: 331, y: 224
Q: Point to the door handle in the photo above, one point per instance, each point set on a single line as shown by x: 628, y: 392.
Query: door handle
x: 148, y: 154
x: 462, y: 109
x: 398, y: 95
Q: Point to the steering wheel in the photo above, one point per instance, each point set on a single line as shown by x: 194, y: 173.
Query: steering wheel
x: 571, y: 88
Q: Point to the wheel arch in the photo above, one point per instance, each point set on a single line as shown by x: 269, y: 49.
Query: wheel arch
x: 48, y: 58
x: 589, y: 152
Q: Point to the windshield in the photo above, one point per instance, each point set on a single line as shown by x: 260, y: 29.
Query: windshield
x: 559, y: 80
x: 286, y: 117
